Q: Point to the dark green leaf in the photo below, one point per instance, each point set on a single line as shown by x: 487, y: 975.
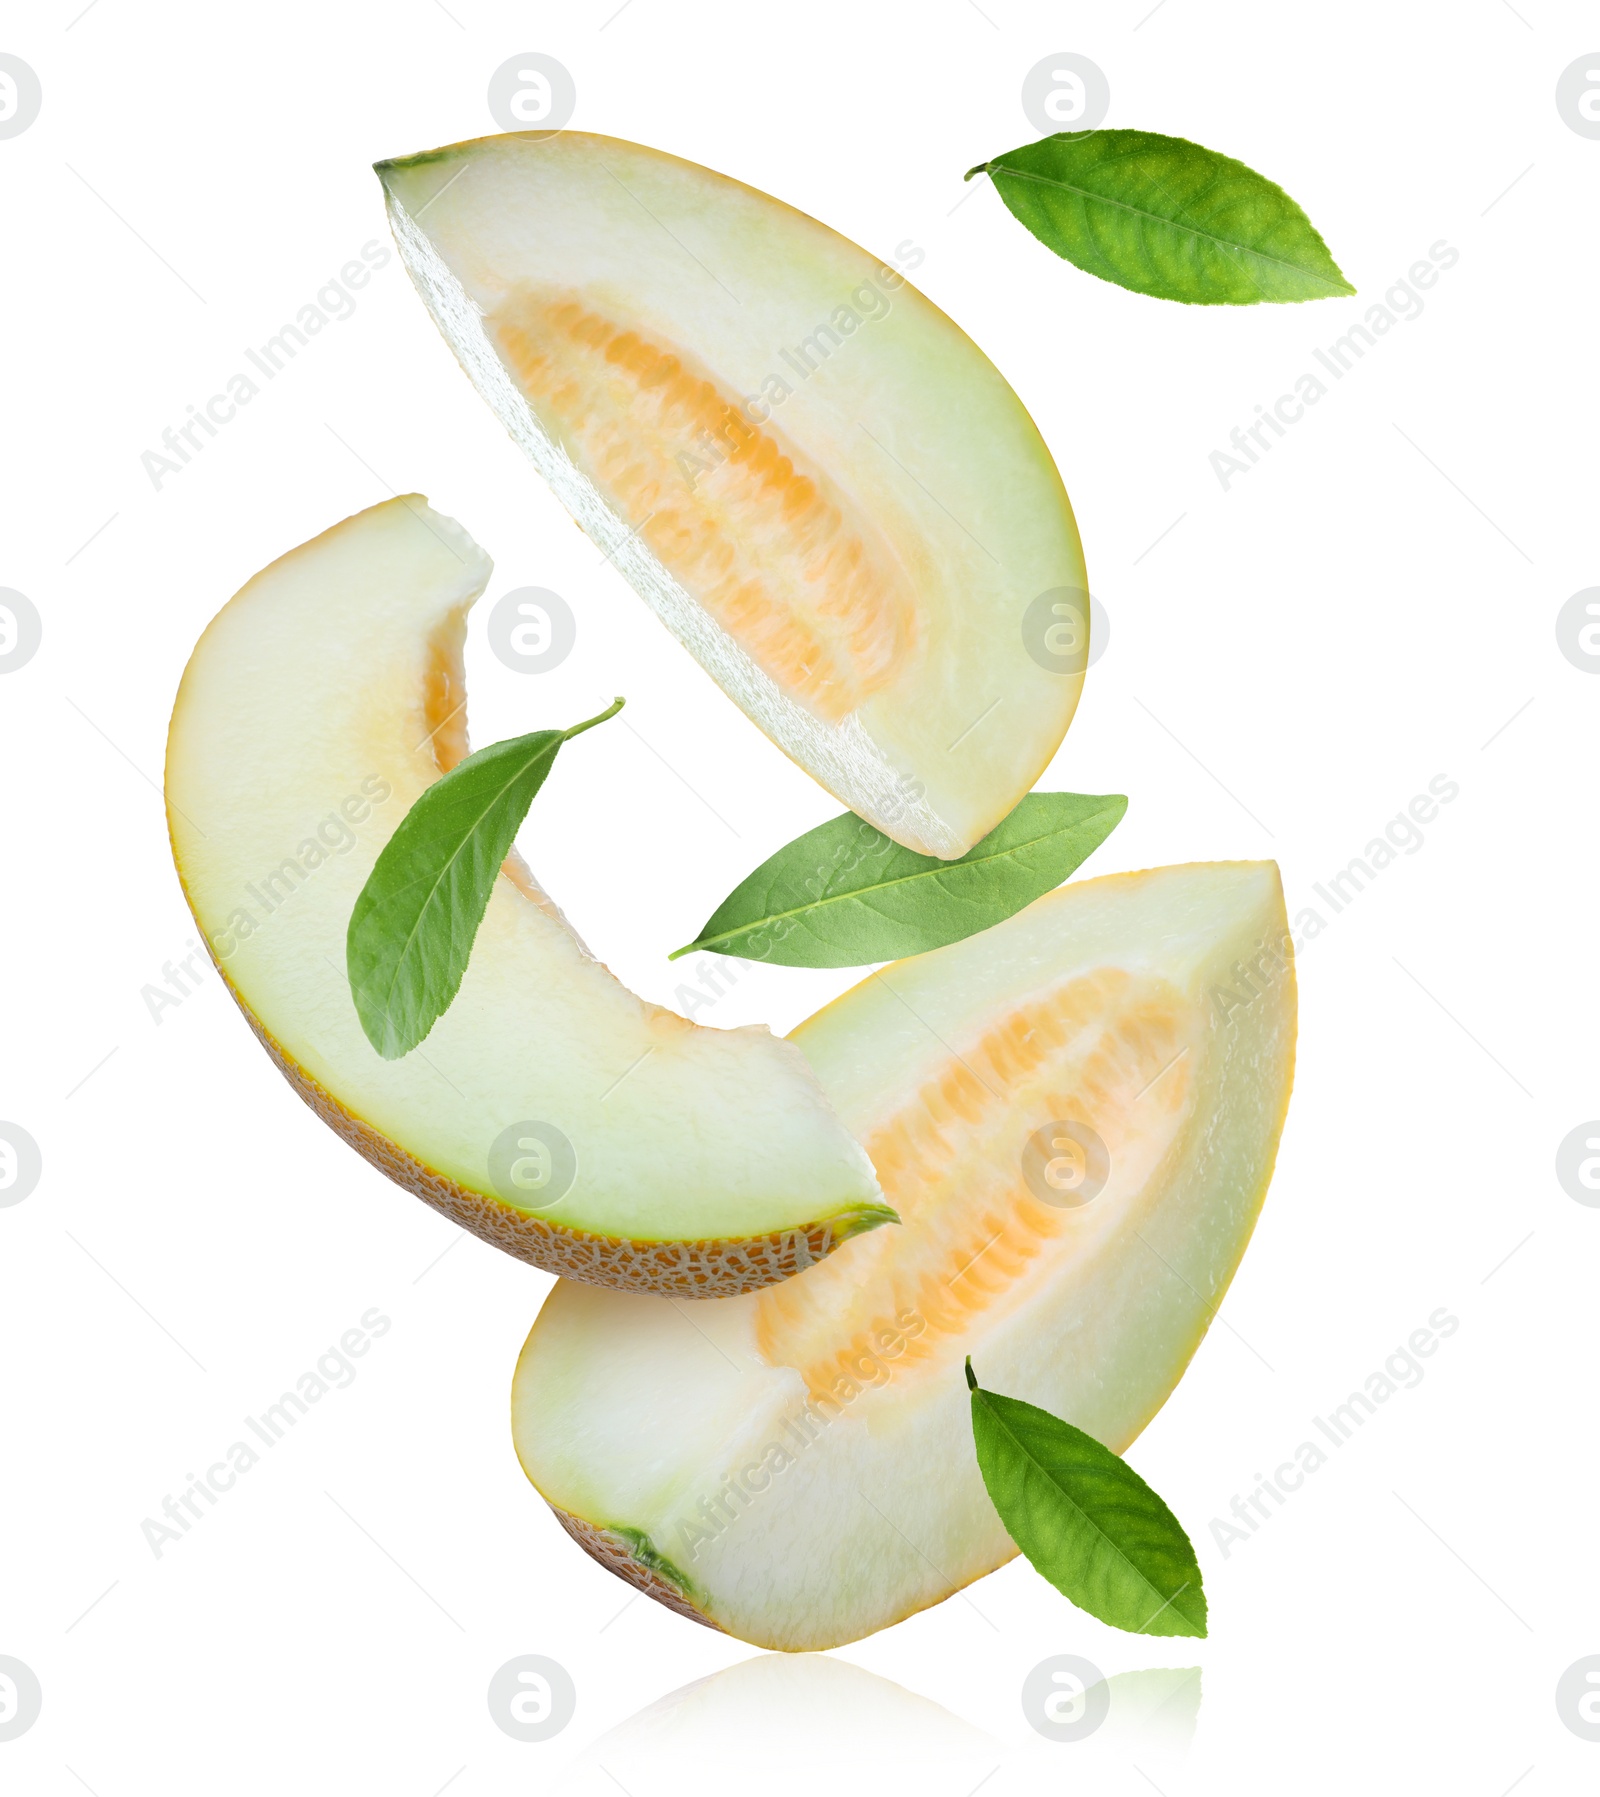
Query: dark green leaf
x: 1086, y: 1519
x: 1166, y: 217
x: 844, y: 894
x: 414, y: 923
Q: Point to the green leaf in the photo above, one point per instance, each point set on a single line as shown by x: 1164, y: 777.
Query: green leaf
x: 1086, y: 1519
x: 1166, y: 217
x: 844, y: 894
x: 413, y: 925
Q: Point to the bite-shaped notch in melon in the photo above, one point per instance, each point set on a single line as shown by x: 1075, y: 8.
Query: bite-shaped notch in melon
x: 1076, y: 1115
x: 551, y: 1110
x: 819, y: 483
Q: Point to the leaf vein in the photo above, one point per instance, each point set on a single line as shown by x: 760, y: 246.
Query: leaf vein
x: 1148, y: 217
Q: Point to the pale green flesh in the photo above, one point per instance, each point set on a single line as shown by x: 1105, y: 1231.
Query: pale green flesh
x: 802, y: 1536
x: 904, y: 413
x: 307, y: 695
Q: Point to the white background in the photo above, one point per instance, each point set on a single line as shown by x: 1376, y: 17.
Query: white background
x: 1292, y: 661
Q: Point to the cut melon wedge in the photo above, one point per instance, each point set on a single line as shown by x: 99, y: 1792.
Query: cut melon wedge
x: 321, y: 701
x: 820, y: 484
x: 796, y: 1467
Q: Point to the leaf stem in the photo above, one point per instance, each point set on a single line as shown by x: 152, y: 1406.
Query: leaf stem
x: 589, y: 723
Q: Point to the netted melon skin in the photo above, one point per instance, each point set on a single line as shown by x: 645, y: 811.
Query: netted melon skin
x: 616, y: 1555
x: 716, y: 1267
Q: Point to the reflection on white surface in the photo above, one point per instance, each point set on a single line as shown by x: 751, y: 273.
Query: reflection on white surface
x: 1153, y: 1713
x: 800, y: 1723
x: 1149, y: 1722
x: 807, y: 1723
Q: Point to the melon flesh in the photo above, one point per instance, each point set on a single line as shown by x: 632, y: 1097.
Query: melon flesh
x: 320, y: 703
x: 796, y: 1467
x: 819, y: 483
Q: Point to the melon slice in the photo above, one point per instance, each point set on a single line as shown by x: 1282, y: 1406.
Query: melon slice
x: 819, y: 483
x: 796, y: 1467
x: 550, y: 1110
